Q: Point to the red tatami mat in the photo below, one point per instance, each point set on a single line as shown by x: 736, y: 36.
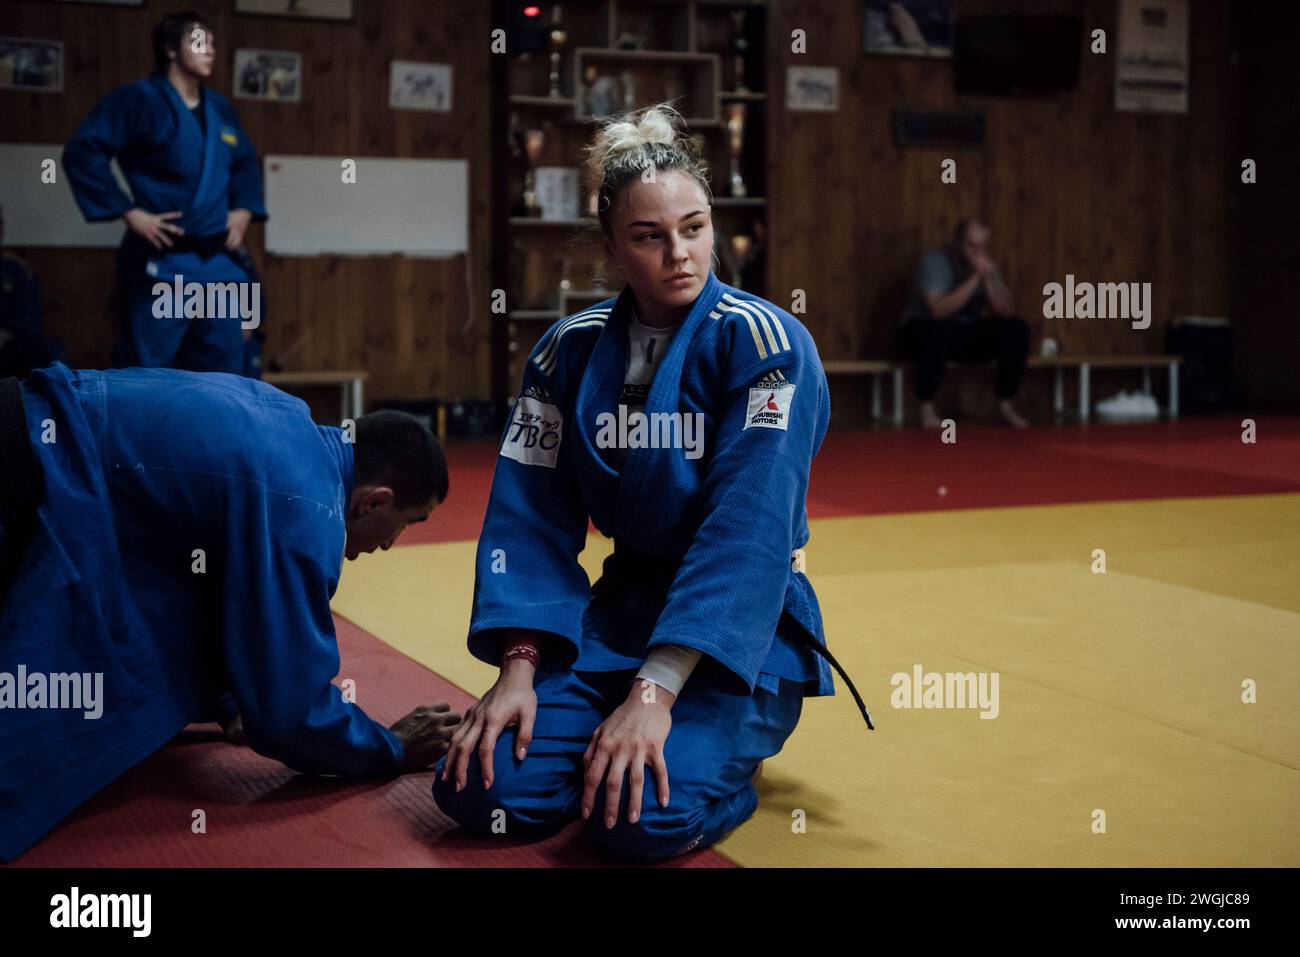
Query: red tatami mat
x: 261, y: 814
x: 880, y: 471
x: 869, y: 473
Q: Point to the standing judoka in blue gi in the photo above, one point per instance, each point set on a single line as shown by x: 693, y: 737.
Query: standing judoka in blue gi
x: 694, y: 651
x: 171, y: 540
x: 195, y: 186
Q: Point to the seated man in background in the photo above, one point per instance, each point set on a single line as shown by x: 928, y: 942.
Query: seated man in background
x: 22, y: 345
x: 168, y: 538
x: 959, y: 308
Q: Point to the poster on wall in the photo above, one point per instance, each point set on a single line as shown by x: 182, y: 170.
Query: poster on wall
x: 420, y: 86
x: 1151, y: 70
x: 30, y: 64
x: 557, y: 192
x: 812, y: 88
x: 907, y: 27
x: 305, y: 9
x: 268, y: 75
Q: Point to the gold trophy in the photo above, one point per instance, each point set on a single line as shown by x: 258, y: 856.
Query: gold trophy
x: 742, y: 251
x: 735, y: 253
x: 737, y: 250
x: 534, y: 144
x: 736, y: 146
x: 557, y: 39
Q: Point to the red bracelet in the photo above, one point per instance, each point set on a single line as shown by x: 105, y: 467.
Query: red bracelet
x: 522, y: 648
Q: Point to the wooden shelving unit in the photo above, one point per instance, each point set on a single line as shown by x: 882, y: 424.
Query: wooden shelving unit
x: 688, y: 52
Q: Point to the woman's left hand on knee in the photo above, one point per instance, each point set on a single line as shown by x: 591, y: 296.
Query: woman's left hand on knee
x: 630, y: 739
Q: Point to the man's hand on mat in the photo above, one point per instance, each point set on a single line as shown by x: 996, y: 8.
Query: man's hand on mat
x: 510, y: 702
x: 425, y: 734
x: 630, y: 739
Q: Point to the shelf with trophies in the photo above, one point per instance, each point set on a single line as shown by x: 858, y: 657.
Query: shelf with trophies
x: 571, y: 65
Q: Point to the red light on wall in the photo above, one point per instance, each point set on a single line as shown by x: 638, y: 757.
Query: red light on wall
x: 532, y: 11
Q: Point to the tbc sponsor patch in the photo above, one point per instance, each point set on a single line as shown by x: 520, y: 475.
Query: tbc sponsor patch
x: 769, y: 406
x: 533, y: 436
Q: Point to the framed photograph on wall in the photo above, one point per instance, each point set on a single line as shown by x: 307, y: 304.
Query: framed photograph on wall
x: 420, y: 86
x: 303, y: 9
x: 268, y: 75
x: 27, y: 63
x: 907, y: 27
x: 812, y: 89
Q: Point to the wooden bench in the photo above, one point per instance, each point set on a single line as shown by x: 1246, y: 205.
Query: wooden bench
x: 876, y: 368
x: 351, y: 386
x: 1085, y: 365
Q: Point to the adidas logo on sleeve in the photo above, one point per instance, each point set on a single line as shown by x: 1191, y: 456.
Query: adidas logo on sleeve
x: 769, y: 403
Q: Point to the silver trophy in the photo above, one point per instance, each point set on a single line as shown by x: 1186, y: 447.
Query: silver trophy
x: 739, y: 50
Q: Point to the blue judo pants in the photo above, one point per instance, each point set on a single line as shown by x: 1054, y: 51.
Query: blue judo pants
x: 195, y: 345
x: 713, y: 750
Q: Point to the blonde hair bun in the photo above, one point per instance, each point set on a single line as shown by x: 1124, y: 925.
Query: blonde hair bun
x: 628, y: 144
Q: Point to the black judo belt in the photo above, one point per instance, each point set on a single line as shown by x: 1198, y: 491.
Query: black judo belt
x: 205, y: 246
x: 805, y: 638
x: 22, y: 482
x: 663, y: 570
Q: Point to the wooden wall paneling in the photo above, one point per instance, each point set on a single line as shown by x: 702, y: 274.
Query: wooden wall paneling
x: 1068, y: 184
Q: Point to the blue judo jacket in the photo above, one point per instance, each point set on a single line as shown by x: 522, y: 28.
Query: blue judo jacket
x: 190, y: 538
x: 703, y: 542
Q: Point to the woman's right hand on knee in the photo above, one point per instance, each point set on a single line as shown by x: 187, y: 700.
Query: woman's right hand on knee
x: 511, y: 702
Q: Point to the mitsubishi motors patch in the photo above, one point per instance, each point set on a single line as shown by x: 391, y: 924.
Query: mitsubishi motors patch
x: 769, y: 404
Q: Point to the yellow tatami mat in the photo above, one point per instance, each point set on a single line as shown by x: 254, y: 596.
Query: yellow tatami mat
x: 1120, y: 694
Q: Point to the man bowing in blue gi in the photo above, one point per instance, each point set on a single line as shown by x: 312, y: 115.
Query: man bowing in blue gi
x: 169, y: 539
x: 195, y: 186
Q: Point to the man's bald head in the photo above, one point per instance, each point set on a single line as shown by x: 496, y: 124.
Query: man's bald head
x: 970, y: 240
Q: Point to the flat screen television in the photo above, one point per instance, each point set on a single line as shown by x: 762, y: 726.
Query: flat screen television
x: 1017, y: 56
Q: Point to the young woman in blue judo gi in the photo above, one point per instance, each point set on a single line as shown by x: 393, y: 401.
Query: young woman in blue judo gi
x: 195, y: 186
x: 169, y: 544
x: 682, y: 418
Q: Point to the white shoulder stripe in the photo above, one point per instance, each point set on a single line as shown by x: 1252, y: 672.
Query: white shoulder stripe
x: 753, y: 328
x: 589, y: 313
x: 767, y: 331
x: 753, y: 331
x: 548, y: 366
x: 763, y: 310
x: 544, y: 355
x: 751, y: 311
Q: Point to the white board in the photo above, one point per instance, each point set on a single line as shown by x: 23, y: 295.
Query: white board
x: 408, y: 206
x: 45, y: 214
